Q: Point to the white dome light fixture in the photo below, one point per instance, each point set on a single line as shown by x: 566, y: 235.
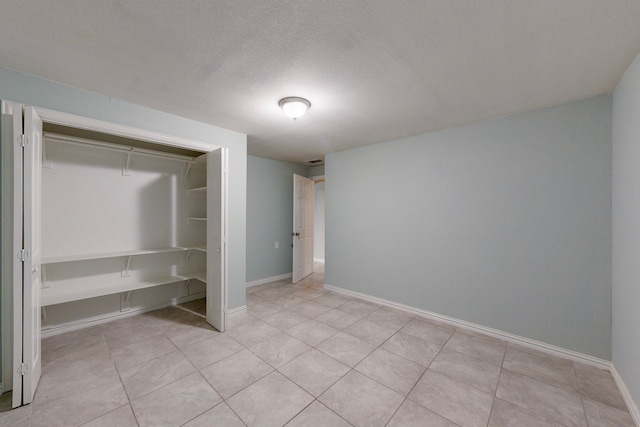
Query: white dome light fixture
x: 294, y: 106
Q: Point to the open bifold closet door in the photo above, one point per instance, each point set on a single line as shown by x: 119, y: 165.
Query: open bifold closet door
x: 22, y: 142
x: 102, y: 221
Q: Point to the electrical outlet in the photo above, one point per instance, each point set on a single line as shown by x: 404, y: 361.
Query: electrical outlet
x: 277, y: 245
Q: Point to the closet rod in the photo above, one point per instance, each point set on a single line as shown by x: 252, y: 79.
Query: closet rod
x: 115, y: 147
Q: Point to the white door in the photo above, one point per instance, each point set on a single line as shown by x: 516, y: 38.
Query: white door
x: 12, y: 163
x: 31, y: 266
x: 216, y: 238
x: 302, y: 227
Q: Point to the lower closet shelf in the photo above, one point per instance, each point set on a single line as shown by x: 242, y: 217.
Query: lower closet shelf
x: 51, y: 296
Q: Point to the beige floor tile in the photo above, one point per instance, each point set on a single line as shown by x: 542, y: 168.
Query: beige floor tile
x: 198, y: 306
x: 195, y: 332
x: 487, y: 349
x: 19, y: 417
x: 601, y: 415
x: 474, y: 372
x: 314, y: 371
x: 154, y: 374
x: 312, y: 332
x: 431, y: 331
x: 236, y: 372
x: 550, y: 402
x: 271, y: 401
x: 220, y: 415
x: 346, y: 348
x: 127, y: 322
x: 142, y: 351
x: 80, y: 406
x: 358, y: 309
x: 370, y: 332
x: 310, y: 309
x: 411, y: 414
x: 62, y: 378
x: 308, y: 293
x: 122, y: 337
x: 389, y: 318
x: 121, y: 417
x: 289, y: 301
x: 361, y: 401
x: 505, y: 414
x: 252, y: 332
x: 317, y: 415
x: 336, y: 319
x: 598, y: 385
x: 285, y: 319
x: 272, y: 294
x: 412, y: 348
x: 541, y: 367
x: 263, y: 309
x: 211, y: 350
x: 452, y: 399
x: 332, y: 300
x: 391, y: 370
x: 70, y: 340
x: 176, y: 403
x: 279, y: 349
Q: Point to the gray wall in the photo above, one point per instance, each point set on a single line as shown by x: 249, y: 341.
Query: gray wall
x: 318, y: 221
x: 269, y: 216
x: 504, y: 223
x: 626, y: 229
x: 42, y: 93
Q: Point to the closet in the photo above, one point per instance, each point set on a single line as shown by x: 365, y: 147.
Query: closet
x: 113, y: 221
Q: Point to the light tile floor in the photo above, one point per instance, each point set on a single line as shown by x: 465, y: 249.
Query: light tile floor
x: 303, y: 356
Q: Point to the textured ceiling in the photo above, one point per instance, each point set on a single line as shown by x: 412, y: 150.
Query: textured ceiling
x: 373, y: 70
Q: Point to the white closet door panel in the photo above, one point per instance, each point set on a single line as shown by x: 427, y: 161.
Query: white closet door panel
x: 216, y: 234
x: 31, y: 266
x: 11, y: 246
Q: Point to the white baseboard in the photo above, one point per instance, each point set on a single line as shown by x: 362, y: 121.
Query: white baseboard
x: 516, y: 339
x: 268, y: 279
x: 626, y: 395
x: 235, y: 312
x: 92, y: 321
x: 319, y: 260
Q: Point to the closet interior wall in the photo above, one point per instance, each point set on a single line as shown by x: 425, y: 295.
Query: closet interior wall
x: 123, y: 229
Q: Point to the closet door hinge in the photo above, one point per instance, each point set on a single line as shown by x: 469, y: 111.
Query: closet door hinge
x: 23, y: 369
x: 23, y: 140
x: 23, y: 255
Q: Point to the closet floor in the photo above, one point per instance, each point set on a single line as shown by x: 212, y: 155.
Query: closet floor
x: 304, y: 356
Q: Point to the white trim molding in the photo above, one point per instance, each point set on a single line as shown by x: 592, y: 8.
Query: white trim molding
x: 268, y: 279
x: 235, y: 312
x: 321, y: 260
x: 626, y: 395
x: 516, y: 339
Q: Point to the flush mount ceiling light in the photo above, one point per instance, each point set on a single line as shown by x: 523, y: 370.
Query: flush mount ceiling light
x: 294, y: 107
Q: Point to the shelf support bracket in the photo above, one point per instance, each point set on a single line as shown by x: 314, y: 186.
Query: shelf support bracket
x: 187, y: 169
x: 185, y: 288
x: 44, y: 315
x: 125, y: 170
x: 125, y: 301
x: 186, y: 258
x: 126, y: 272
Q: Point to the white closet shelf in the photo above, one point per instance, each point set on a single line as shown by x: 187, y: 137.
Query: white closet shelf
x: 197, y: 219
x: 53, y: 295
x: 84, y: 257
x: 200, y: 275
x: 201, y: 248
x: 197, y: 190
